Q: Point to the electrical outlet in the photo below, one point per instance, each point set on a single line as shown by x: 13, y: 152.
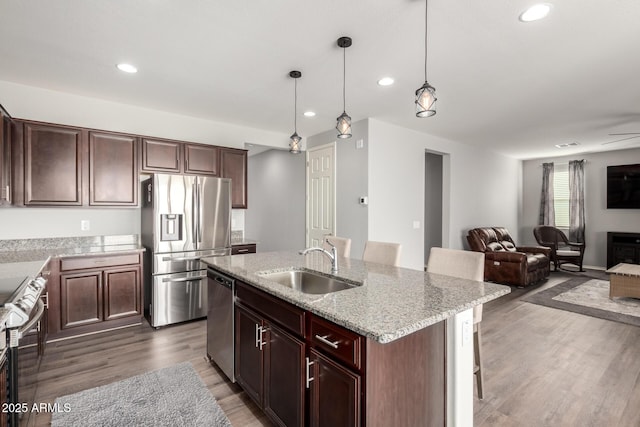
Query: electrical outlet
x: 416, y: 224
x: 85, y: 225
x: 467, y: 332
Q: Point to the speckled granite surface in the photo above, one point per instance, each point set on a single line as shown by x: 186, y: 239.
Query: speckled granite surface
x: 25, y: 257
x: 391, y: 302
x: 25, y: 250
x: 22, y: 269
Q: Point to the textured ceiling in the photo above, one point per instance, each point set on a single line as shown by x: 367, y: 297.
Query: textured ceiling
x: 517, y: 88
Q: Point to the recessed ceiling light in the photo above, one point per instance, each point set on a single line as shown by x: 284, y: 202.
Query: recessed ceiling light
x: 567, y: 144
x: 535, y: 12
x: 127, y: 68
x: 385, y: 81
x: 309, y: 114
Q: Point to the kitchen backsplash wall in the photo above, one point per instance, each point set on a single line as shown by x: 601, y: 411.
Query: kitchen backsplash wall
x: 30, y: 223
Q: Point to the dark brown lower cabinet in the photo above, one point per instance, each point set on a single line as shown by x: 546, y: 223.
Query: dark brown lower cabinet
x: 249, y: 356
x: 270, y: 367
x: 302, y: 369
x: 81, y: 298
x: 284, y: 377
x: 95, y: 293
x: 334, y: 393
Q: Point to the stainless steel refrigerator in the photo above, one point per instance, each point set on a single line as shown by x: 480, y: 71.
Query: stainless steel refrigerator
x: 184, y: 218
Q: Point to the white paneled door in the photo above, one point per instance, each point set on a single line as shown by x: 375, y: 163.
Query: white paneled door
x: 321, y: 193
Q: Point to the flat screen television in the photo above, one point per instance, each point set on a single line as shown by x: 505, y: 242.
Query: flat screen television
x: 623, y: 187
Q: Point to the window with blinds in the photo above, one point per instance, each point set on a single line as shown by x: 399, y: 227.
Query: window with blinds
x: 561, y: 194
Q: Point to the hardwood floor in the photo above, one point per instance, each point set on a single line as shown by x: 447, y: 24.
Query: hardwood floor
x: 542, y: 366
x: 549, y: 367
x: 77, y: 364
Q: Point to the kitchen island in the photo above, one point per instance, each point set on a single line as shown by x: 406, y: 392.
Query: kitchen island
x: 385, y: 351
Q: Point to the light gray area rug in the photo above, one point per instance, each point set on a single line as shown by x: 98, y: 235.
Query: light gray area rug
x: 589, y: 296
x: 170, y: 397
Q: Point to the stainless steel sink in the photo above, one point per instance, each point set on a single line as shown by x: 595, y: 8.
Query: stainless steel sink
x: 308, y: 282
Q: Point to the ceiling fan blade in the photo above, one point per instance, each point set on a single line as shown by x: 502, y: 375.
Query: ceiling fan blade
x: 619, y: 140
x: 628, y: 133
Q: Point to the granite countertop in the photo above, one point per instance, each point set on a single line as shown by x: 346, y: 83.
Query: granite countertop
x: 391, y: 302
x: 243, y: 241
x: 26, y: 254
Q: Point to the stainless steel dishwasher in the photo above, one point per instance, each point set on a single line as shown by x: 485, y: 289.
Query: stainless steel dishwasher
x: 220, y: 321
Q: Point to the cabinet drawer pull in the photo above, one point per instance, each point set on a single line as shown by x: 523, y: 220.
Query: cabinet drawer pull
x: 327, y: 342
x: 259, y: 341
x: 308, y: 365
x: 242, y: 250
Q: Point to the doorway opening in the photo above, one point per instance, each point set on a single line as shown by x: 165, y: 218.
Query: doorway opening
x: 433, y: 202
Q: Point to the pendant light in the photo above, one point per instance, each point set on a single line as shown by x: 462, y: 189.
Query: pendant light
x: 344, y: 121
x: 294, y: 145
x: 426, y: 95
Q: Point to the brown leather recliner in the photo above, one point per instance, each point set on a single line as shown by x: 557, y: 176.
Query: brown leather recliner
x: 506, y: 263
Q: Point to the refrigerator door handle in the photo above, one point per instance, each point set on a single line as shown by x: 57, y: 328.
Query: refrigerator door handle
x: 200, y: 219
x: 194, y: 219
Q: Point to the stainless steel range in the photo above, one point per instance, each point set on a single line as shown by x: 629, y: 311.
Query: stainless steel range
x: 184, y: 218
x: 21, y: 297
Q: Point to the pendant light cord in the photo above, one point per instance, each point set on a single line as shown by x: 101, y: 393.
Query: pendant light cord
x: 426, y: 7
x: 344, y: 79
x: 295, y: 106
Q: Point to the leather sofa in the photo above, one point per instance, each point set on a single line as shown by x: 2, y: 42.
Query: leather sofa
x: 506, y: 263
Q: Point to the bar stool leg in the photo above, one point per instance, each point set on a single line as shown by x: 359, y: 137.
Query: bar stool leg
x: 478, y: 359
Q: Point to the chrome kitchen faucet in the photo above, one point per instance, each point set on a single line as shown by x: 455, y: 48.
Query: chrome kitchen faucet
x: 333, y: 255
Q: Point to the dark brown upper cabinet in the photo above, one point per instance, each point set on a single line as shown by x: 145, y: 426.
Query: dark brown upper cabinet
x: 69, y: 166
x: 161, y: 155
x: 201, y: 159
x: 5, y: 158
x: 58, y: 165
x: 53, y: 165
x: 233, y: 164
x: 113, y: 169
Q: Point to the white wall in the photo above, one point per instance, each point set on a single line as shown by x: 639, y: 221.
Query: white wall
x: 351, y: 183
x: 31, y: 223
x: 598, y: 219
x: 27, y: 102
x: 34, y: 103
x: 481, y: 188
x: 276, y: 189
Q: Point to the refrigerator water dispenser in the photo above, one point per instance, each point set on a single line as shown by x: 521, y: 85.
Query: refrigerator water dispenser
x: 171, y: 227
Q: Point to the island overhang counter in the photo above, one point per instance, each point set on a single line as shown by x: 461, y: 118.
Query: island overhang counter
x: 416, y: 330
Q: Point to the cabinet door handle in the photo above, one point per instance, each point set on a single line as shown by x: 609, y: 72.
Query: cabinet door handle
x: 308, y: 370
x: 262, y: 330
x: 324, y: 340
x: 259, y: 341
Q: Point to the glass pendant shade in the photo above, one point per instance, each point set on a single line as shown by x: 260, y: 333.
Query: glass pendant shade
x: 344, y: 121
x: 295, y: 139
x: 426, y: 101
x: 294, y: 145
x: 344, y: 126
